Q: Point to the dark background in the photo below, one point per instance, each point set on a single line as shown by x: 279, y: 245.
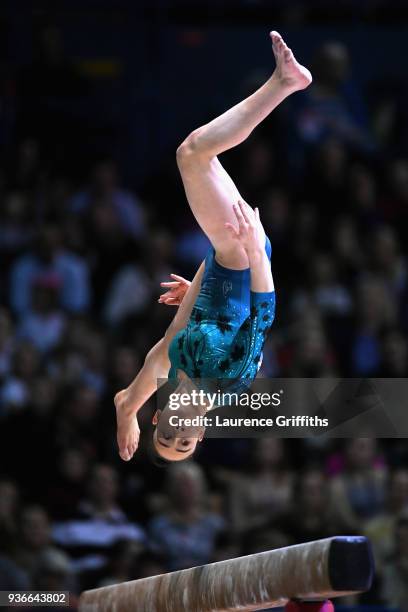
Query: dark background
x: 94, y: 99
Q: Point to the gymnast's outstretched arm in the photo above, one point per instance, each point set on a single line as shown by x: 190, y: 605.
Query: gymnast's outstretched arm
x: 129, y: 401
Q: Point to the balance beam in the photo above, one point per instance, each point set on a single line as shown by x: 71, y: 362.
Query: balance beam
x: 319, y: 570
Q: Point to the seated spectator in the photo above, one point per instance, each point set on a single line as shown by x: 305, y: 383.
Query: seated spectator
x: 395, y: 199
x: 33, y: 427
x: 12, y: 578
x: 136, y: 284
x: 333, y: 106
x: 124, y: 363
x: 48, y: 259
x: 325, y: 290
x: 121, y: 564
x: 310, y: 354
x: 362, y: 199
x: 97, y: 524
x: 375, y: 310
x: 312, y: 514
x: 77, y: 424
x: 265, y: 490
x: 108, y: 203
x: 192, y: 246
x: 185, y: 534
x: 43, y: 324
x: 394, y: 355
x: 15, y: 391
x: 94, y: 366
x: 149, y: 564
x: 395, y: 576
x: 53, y: 572
x: 34, y: 539
x: 348, y: 251
x: 68, y: 488
x: 276, y: 215
x: 388, y: 262
x: 68, y: 361
x: 359, y: 491
x: 381, y: 529
x: 7, y: 340
x: 9, y: 499
x: 129, y: 294
x: 15, y: 228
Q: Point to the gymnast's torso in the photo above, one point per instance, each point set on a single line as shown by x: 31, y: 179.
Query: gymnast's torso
x: 225, y: 334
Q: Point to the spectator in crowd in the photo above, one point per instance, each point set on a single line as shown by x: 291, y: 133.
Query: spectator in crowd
x: 121, y: 564
x: 310, y: 354
x: 98, y: 523
x: 312, y: 513
x: 8, y: 516
x: 34, y: 539
x: 395, y: 582
x: 359, y: 491
x: 394, y: 355
x: 347, y: 249
x: 185, y: 533
x: 265, y: 491
x: 7, y: 342
x: 381, y: 528
x: 334, y: 107
x: 77, y: 423
x: 49, y: 261
x: 33, y: 426
x: 325, y: 291
x: 387, y: 261
x: 14, y: 393
x: 15, y: 231
x: 375, y: 311
x: 109, y: 207
x: 44, y: 323
x: 12, y: 578
x: 69, y: 484
x: 53, y: 572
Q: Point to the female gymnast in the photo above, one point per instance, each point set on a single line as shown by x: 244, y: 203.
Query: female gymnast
x: 220, y: 326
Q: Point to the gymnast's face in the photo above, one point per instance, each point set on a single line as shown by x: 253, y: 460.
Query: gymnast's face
x: 175, y: 442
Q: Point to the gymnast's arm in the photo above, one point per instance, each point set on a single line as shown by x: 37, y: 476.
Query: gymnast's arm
x: 130, y: 400
x: 156, y: 365
x: 251, y: 235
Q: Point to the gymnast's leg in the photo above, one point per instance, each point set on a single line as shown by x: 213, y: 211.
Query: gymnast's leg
x: 209, y: 189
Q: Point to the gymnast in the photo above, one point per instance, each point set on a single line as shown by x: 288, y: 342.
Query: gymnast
x: 225, y: 313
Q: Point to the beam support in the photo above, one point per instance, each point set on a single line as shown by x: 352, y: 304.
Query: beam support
x: 313, y: 571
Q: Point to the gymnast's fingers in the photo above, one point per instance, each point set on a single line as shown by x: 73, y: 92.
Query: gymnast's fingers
x: 180, y: 279
x: 170, y: 284
x: 232, y: 230
x: 171, y: 301
x: 247, y: 211
x: 244, y: 213
x: 239, y: 216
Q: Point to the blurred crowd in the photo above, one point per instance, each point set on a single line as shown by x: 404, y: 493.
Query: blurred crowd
x: 81, y: 266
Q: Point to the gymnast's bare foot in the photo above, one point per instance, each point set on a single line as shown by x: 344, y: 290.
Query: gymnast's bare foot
x: 292, y: 74
x: 128, y: 431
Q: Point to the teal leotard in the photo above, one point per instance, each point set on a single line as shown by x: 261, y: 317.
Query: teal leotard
x: 225, y: 334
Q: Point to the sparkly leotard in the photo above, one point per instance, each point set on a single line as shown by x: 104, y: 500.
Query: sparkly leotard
x: 225, y: 334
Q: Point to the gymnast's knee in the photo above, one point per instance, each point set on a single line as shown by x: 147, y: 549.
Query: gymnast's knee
x: 191, y: 150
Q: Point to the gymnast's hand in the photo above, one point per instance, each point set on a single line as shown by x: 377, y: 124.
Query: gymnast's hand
x: 250, y: 232
x: 177, y: 289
